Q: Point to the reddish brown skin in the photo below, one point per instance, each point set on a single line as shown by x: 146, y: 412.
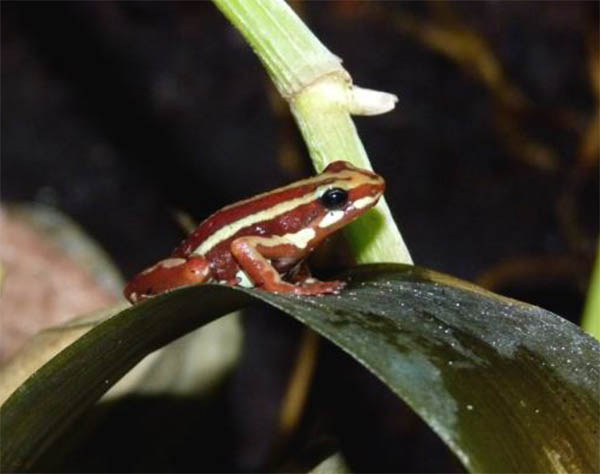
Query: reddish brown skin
x: 145, y: 284
x: 224, y: 264
x: 235, y: 212
x: 264, y: 264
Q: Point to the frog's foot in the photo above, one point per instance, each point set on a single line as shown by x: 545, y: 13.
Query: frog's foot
x: 306, y: 284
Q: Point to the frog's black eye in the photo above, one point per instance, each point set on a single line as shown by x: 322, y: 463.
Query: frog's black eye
x: 334, y: 198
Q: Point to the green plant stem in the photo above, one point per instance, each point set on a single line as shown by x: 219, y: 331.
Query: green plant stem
x: 322, y: 97
x: 591, y: 313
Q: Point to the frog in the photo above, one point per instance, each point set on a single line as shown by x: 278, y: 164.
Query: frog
x: 263, y: 242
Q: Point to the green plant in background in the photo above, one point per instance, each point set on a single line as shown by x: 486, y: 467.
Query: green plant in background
x: 591, y: 313
x: 509, y: 387
x: 322, y: 98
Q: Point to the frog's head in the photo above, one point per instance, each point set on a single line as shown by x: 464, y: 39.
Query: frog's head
x: 349, y: 192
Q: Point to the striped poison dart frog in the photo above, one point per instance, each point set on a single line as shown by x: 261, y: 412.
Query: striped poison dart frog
x: 263, y: 241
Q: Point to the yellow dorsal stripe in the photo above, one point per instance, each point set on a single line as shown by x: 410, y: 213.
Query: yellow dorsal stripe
x: 348, y: 179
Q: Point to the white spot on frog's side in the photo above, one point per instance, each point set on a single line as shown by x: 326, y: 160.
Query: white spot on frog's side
x: 301, y: 238
x: 167, y: 263
x: 331, y: 218
x: 364, y: 202
x: 172, y: 262
x: 244, y: 280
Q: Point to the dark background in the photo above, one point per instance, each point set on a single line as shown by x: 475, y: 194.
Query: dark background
x: 120, y: 114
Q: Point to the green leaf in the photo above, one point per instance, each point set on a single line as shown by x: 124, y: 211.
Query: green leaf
x: 590, y: 321
x: 508, y: 386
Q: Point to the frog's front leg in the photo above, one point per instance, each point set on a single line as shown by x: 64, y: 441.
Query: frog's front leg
x: 253, y: 253
x: 166, y: 275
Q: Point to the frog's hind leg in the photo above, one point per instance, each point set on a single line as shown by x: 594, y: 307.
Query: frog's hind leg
x: 253, y: 253
x: 166, y: 275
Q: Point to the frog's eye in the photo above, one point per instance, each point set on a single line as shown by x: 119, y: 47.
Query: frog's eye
x: 334, y: 198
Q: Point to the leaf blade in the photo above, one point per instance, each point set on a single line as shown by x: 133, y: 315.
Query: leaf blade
x: 82, y: 372
x: 414, y: 351
x: 508, y: 386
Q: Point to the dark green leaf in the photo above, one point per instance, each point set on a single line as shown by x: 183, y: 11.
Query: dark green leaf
x: 509, y: 387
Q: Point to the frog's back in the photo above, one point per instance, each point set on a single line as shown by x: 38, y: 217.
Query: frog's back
x: 252, y: 216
